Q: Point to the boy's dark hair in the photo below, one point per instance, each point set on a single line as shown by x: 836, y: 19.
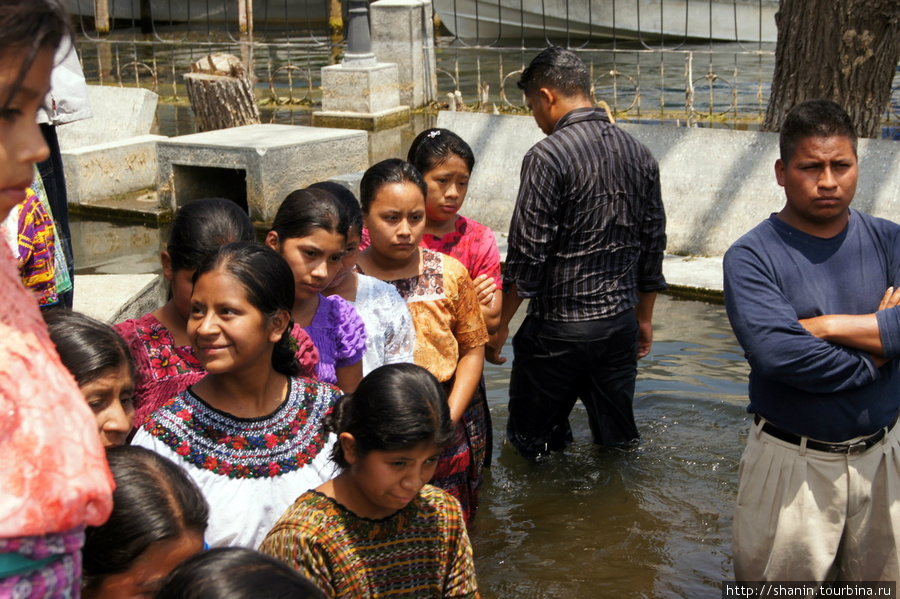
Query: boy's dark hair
x: 392, y: 170
x: 394, y: 407
x: 236, y: 573
x: 558, y: 69
x: 203, y: 226
x: 268, y: 283
x: 814, y: 118
x: 154, y: 501
x: 26, y: 28
x: 432, y: 147
x: 86, y: 346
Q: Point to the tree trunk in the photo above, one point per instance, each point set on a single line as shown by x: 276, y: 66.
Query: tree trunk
x: 221, y: 95
x: 840, y: 50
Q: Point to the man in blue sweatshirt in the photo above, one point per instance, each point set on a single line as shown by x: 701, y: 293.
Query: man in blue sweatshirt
x: 810, y: 294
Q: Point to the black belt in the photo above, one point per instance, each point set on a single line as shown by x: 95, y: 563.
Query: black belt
x: 846, y: 448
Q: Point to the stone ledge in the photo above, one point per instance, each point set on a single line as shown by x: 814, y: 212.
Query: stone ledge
x: 374, y: 121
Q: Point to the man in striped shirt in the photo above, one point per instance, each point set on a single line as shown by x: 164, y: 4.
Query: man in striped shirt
x: 586, y: 245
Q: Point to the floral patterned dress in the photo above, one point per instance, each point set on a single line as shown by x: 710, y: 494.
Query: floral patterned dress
x: 447, y: 318
x: 249, y: 469
x: 165, y: 369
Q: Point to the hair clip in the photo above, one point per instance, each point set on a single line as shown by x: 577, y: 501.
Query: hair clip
x: 433, y: 134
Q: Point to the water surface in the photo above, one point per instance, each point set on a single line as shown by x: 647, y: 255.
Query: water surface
x: 653, y: 521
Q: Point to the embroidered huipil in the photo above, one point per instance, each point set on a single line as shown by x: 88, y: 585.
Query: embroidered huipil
x: 165, y: 369
x: 422, y: 551
x: 447, y: 318
x: 249, y: 469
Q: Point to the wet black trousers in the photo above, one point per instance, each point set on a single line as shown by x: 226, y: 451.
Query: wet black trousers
x: 557, y: 363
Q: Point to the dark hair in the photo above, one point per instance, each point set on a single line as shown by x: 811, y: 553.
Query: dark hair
x: 86, y: 346
x: 347, y: 202
x: 203, y: 226
x: 392, y: 170
x: 154, y: 501
x: 432, y: 147
x: 558, y: 69
x: 268, y: 281
x: 395, y: 406
x: 814, y: 118
x: 305, y: 210
x: 236, y: 573
x: 26, y: 28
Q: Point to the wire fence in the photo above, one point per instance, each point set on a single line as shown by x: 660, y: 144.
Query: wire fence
x: 706, y: 62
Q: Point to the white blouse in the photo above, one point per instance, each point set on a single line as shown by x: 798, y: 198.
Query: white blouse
x: 390, y: 333
x: 249, y: 469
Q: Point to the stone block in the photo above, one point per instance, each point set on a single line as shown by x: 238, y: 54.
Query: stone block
x: 114, y: 298
x: 119, y: 113
x: 367, y: 121
x: 106, y: 170
x: 364, y: 89
x: 403, y: 33
x: 256, y: 166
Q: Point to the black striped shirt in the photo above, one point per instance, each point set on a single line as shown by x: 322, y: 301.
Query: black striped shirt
x: 589, y: 229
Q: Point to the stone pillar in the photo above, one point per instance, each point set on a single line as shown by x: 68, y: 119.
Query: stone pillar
x: 361, y: 92
x: 403, y: 33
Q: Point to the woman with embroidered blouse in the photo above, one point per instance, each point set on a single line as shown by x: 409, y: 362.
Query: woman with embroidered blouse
x: 378, y: 529
x: 450, y: 330
x: 250, y: 433
x: 164, y: 359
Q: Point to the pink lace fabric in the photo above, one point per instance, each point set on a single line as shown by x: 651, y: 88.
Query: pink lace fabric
x: 53, y: 472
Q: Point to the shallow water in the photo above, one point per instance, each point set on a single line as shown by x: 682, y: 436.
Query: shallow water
x: 652, y: 521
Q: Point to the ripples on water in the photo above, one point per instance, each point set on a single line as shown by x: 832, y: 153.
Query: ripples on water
x: 653, y: 521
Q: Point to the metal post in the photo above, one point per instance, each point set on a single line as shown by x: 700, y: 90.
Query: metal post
x: 359, y: 42
x: 245, y: 17
x: 101, y: 16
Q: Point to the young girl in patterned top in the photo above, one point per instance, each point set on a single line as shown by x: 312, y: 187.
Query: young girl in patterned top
x: 446, y: 162
x: 251, y: 432
x: 450, y: 332
x: 165, y: 361
x: 390, y: 334
x: 309, y: 232
x: 378, y: 529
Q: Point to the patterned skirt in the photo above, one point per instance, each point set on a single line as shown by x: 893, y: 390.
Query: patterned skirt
x: 460, y: 469
x: 46, y: 567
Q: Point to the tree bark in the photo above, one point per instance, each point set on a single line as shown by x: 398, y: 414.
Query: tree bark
x: 840, y: 50
x: 221, y: 95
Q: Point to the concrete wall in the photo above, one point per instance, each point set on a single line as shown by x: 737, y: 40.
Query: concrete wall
x: 119, y: 113
x: 402, y: 33
x: 716, y: 184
